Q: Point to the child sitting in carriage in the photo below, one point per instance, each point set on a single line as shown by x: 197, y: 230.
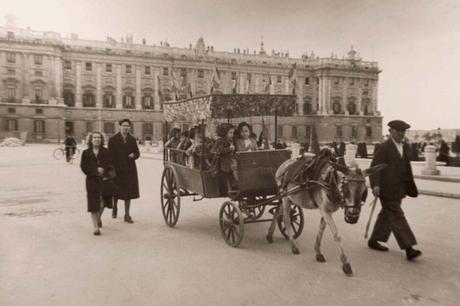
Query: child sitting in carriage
x: 199, y: 150
x: 243, y: 140
x: 172, y: 143
x: 224, y: 149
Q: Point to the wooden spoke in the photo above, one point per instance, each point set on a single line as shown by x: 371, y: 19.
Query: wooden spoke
x: 231, y: 223
x: 297, y: 222
x: 170, y: 197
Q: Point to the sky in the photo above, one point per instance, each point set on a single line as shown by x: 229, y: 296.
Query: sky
x: 415, y: 42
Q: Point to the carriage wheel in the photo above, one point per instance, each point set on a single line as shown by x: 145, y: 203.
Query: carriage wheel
x: 170, y: 197
x: 297, y: 221
x: 231, y: 223
x: 58, y: 153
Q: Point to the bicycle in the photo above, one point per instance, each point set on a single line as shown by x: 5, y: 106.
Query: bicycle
x: 60, y: 152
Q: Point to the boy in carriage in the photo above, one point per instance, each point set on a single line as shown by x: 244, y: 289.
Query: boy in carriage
x: 224, y: 149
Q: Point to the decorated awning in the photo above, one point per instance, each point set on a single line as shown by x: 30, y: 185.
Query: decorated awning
x: 218, y: 106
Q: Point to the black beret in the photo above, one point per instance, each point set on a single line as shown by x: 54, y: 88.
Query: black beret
x: 398, y: 125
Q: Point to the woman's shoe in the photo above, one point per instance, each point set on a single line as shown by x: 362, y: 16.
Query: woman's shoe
x: 128, y: 219
x: 97, y: 232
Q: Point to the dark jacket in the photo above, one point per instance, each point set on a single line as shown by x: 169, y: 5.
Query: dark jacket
x: 396, y: 180
x: 222, y: 150
x: 127, y: 181
x: 89, y: 164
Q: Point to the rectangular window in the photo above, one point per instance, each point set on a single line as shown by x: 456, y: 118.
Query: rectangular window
x: 147, y: 102
x: 67, y: 65
x: 200, y: 73
x: 109, y: 100
x: 38, y: 93
x: 109, y: 127
x: 165, y: 71
x: 368, y: 131
x: 108, y: 67
x: 39, y: 111
x: 147, y: 70
x: 128, y: 68
x: 11, y: 110
x: 338, y: 131
x: 11, y: 91
x: 294, y: 131
x: 233, y: 76
x: 128, y: 101
x: 308, y: 133
x: 69, y: 98
x: 38, y: 59
x: 11, y: 71
x: 12, y: 125
x: 307, y: 81
x: 278, y: 79
x: 11, y: 57
x: 354, y: 131
x: 38, y: 73
x: 39, y: 126
x: 337, y: 81
x: 183, y: 72
x: 89, y: 66
x: 280, y: 131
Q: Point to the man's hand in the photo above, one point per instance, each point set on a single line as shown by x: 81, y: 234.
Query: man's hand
x: 100, y: 171
x: 131, y: 155
x: 376, y: 191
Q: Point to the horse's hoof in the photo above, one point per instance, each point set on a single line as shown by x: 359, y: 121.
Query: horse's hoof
x: 295, y: 250
x: 347, y: 269
x: 320, y: 258
x: 270, y: 238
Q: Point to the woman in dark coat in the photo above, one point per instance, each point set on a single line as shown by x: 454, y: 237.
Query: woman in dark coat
x: 96, y: 163
x: 125, y: 151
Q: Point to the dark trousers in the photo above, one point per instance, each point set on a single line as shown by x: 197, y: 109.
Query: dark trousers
x: 391, y: 219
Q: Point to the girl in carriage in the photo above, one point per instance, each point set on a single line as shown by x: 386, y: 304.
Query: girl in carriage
x: 224, y: 149
x: 243, y: 141
x: 173, y: 142
x: 200, y: 149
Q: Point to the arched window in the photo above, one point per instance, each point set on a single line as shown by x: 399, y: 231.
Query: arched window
x: 69, y: 97
x: 336, y: 106
x: 351, y: 106
x: 128, y: 100
x: 108, y: 100
x: 147, y: 101
x: 109, y: 128
x: 89, y: 99
x: 368, y: 131
x: 307, y: 106
x: 12, y: 125
x: 366, y: 105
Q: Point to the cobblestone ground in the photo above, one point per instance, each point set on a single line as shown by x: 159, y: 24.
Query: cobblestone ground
x: 48, y: 255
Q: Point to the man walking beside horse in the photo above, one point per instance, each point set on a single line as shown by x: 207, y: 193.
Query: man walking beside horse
x: 391, y: 185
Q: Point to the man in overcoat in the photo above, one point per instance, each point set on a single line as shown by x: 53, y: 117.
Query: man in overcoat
x: 125, y: 151
x: 391, y: 185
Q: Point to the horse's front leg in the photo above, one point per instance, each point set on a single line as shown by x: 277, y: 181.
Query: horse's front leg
x: 327, y: 216
x: 287, y: 223
x: 319, y: 237
x: 271, y: 230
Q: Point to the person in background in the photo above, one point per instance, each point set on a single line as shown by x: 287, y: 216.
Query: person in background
x: 242, y: 140
x: 70, y: 146
x: 391, y: 185
x: 125, y: 151
x: 96, y: 163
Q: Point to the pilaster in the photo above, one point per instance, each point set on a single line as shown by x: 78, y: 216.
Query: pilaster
x: 78, y: 92
x: 138, y: 97
x: 156, y: 101
x: 119, y: 99
x: 98, y: 85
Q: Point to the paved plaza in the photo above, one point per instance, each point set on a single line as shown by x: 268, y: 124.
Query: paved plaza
x: 49, y: 256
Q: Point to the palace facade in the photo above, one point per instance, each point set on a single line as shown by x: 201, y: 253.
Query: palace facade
x: 51, y: 85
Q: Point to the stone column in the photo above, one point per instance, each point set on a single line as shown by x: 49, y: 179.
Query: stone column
x: 360, y: 102
x: 78, y: 92
x: 327, y: 96
x: 300, y: 98
x: 156, y: 100
x: 138, y: 88
x: 430, y: 160
x: 374, y: 84
x: 98, y: 85
x: 257, y: 83
x: 119, y: 96
x: 241, y: 86
x: 344, y: 98
x: 286, y: 85
x: 58, y: 78
x: 272, y: 86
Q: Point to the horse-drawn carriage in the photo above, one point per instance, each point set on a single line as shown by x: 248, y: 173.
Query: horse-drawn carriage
x: 319, y: 183
x: 255, y: 170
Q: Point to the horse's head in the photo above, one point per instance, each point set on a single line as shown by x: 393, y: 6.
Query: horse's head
x: 354, y: 189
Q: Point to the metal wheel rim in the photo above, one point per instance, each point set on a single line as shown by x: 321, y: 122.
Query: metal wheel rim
x: 58, y: 153
x: 297, y: 222
x: 231, y: 224
x: 170, y: 205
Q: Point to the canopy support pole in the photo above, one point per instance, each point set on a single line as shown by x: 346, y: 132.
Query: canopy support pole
x: 276, y: 127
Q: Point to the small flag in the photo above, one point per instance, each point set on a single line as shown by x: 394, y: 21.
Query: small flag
x: 269, y: 85
x: 293, y: 76
x: 235, y: 86
x: 215, y: 79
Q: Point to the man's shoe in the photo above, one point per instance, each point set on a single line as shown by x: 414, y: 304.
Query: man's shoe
x: 412, y: 253
x: 97, y: 232
x: 375, y: 245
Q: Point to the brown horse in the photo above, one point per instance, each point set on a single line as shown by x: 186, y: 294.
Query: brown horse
x: 331, y: 187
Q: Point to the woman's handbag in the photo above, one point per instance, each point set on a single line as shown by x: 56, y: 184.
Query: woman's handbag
x: 108, y: 187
